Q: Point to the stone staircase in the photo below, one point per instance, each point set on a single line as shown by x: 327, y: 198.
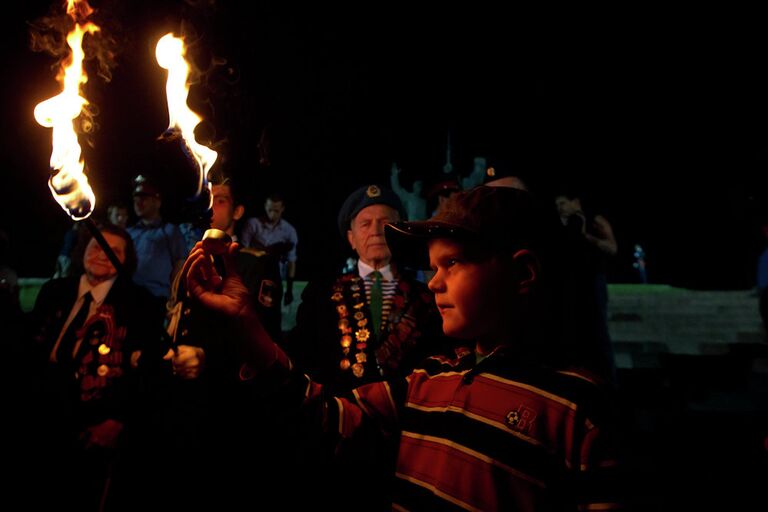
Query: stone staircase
x: 648, y: 320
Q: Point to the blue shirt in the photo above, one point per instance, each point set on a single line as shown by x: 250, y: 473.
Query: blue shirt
x: 259, y: 232
x: 158, y: 247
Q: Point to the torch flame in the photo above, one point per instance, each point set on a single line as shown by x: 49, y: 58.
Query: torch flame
x: 68, y: 183
x: 170, y: 52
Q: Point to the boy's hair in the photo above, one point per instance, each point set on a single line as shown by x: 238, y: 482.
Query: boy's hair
x: 233, y: 189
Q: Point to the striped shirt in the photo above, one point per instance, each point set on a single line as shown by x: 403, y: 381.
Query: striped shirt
x: 491, y: 436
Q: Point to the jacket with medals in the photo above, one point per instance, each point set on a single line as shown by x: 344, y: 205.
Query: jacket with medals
x: 99, y: 383
x: 334, y: 342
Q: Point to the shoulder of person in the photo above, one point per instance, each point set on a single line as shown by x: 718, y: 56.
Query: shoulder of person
x: 55, y: 290
x: 172, y: 228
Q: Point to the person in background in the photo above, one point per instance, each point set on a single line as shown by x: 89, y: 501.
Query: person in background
x: 276, y: 236
x: 371, y: 324
x: 85, y: 333
x: 160, y: 247
x: 117, y: 215
x: 199, y: 397
x: 589, y: 243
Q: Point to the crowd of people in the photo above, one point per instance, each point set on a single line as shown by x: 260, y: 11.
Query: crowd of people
x: 462, y: 360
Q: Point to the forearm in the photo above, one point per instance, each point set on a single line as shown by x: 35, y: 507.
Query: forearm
x: 291, y: 270
x: 606, y: 245
x: 259, y: 350
x: 290, y: 274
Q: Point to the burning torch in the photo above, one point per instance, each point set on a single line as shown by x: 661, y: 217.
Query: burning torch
x: 68, y: 182
x: 171, y: 55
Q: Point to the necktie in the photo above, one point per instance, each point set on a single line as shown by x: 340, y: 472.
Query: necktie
x: 64, y: 353
x: 376, y: 301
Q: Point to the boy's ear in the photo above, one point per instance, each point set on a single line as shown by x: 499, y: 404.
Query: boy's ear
x: 239, y: 212
x: 527, y: 268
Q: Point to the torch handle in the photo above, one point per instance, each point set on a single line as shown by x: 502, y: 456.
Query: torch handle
x: 216, y: 243
x: 94, y: 229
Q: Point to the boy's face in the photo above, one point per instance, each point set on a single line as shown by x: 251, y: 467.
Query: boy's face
x: 224, y: 212
x: 566, y: 206
x: 468, y: 294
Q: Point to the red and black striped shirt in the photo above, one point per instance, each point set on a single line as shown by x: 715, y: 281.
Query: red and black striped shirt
x: 498, y: 435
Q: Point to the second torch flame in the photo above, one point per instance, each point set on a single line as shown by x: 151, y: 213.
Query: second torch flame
x: 68, y: 183
x: 170, y: 52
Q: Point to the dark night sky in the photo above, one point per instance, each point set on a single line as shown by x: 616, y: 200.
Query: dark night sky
x: 662, y: 116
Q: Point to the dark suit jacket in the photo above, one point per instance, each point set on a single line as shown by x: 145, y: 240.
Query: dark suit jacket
x: 335, y: 307
x: 99, y: 383
x: 198, y: 326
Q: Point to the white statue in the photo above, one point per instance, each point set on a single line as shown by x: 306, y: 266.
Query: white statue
x: 415, y: 205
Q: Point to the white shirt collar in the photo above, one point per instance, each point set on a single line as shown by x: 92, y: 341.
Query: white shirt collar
x: 98, y: 292
x: 365, y: 269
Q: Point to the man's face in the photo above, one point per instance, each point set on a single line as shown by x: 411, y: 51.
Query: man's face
x: 97, y: 264
x: 366, y: 234
x: 274, y: 210
x: 118, y: 216
x: 567, y: 207
x: 146, y: 206
x: 225, y: 214
x: 467, y: 293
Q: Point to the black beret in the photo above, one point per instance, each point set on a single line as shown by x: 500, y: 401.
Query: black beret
x: 363, y: 197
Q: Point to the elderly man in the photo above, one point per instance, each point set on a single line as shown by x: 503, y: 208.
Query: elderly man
x: 85, y: 330
x: 366, y: 325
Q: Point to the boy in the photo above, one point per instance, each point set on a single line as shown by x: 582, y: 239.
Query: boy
x: 494, y: 428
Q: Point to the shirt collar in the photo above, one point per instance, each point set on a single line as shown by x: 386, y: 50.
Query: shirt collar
x: 149, y: 225
x: 364, y: 269
x: 98, y: 292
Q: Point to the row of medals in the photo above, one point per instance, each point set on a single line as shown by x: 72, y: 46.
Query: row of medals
x: 104, y: 349
x: 361, y: 334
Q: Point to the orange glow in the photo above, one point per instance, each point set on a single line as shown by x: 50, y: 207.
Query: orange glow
x: 170, y: 52
x: 68, y: 183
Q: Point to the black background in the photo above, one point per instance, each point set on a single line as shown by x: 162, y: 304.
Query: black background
x: 660, y: 115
